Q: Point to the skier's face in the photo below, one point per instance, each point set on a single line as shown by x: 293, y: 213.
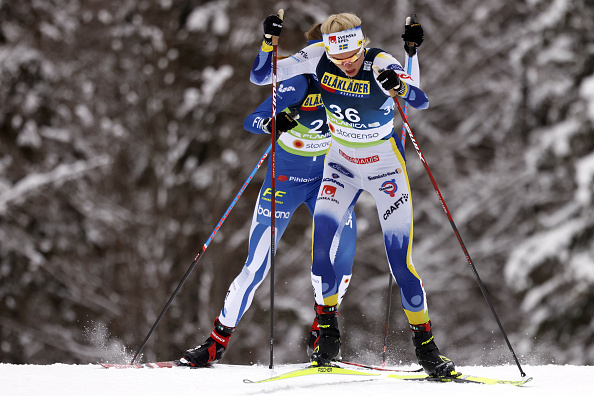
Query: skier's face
x: 349, y: 62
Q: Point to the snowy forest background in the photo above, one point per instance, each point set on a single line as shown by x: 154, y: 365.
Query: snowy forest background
x: 122, y: 144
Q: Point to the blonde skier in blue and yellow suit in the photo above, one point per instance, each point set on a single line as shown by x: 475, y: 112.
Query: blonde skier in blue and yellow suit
x: 366, y: 156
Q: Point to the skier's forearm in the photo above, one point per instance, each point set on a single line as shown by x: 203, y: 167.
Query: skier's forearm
x: 261, y: 73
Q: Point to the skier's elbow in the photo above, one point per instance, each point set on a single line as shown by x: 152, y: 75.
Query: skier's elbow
x: 423, y: 105
x: 417, y: 99
x: 255, y: 80
x: 259, y: 79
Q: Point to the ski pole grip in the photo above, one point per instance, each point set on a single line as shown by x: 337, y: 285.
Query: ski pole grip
x: 411, y: 45
x: 377, y: 70
x: 281, y: 15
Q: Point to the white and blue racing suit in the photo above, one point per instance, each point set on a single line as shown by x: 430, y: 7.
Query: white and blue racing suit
x: 299, y: 166
x: 365, y: 156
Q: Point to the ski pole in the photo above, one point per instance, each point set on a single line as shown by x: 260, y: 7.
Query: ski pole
x: 273, y: 131
x: 199, y: 255
x: 448, y: 214
x: 411, y: 52
x: 388, y: 308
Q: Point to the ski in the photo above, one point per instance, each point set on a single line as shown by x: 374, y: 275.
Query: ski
x: 311, y: 370
x: 379, y: 368
x: 169, y: 364
x: 461, y: 378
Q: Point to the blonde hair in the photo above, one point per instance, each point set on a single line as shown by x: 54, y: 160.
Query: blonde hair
x: 339, y: 22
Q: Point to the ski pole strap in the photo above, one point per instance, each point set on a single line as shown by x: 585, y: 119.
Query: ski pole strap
x: 325, y: 309
x: 421, y: 327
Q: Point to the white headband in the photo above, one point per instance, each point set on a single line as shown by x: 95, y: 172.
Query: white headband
x: 345, y: 41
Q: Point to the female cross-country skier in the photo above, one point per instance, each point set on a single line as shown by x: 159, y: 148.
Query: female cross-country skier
x: 300, y: 155
x: 366, y: 156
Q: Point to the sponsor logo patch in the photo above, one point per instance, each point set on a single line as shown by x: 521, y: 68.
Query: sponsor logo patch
x: 396, y: 172
x: 327, y: 191
x: 345, y: 86
x: 395, y: 206
x: 288, y: 88
x: 327, y: 179
x: 360, y: 161
x: 389, y: 187
x: 341, y: 169
x: 303, y: 179
x: 312, y: 102
x: 278, y: 215
x: 278, y: 194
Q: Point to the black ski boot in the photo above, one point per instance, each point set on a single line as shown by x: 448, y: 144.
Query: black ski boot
x: 314, y: 334
x: 428, y: 354
x: 212, y: 349
x: 328, y: 345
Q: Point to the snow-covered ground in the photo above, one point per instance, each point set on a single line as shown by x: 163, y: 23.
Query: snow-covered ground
x: 89, y: 380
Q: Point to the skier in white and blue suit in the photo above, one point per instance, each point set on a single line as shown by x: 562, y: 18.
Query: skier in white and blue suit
x: 300, y: 155
x: 366, y: 156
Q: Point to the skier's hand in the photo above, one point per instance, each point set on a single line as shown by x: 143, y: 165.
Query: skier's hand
x: 389, y: 80
x: 413, y: 35
x: 284, y: 122
x: 273, y: 25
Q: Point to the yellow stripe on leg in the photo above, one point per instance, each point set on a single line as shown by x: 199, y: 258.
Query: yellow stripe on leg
x: 332, y: 300
x: 417, y: 317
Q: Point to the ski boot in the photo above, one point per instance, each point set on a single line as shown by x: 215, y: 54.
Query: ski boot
x: 428, y: 354
x: 212, y: 349
x: 328, y: 345
x: 314, y: 333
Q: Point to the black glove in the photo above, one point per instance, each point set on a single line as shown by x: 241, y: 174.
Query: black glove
x: 273, y: 26
x: 284, y: 122
x: 390, y: 80
x: 413, y: 35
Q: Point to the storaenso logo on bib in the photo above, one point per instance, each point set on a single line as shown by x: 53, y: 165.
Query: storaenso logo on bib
x: 318, y: 146
x: 345, y: 86
x: 278, y: 215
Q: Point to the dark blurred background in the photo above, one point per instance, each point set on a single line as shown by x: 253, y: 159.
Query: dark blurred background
x: 122, y: 144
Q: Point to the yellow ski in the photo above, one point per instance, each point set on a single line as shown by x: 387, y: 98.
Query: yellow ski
x: 312, y: 370
x: 459, y: 378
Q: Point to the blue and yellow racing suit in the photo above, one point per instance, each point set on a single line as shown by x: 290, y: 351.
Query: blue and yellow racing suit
x: 363, y: 155
x: 299, y: 166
